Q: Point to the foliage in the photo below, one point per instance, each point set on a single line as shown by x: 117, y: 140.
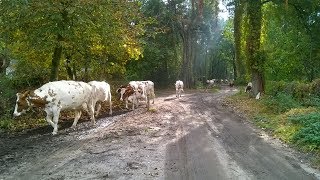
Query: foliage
x: 7, y: 95
x: 91, y: 34
x: 309, y: 134
x: 307, y: 94
x: 280, y: 103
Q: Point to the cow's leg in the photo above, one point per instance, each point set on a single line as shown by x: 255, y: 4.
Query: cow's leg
x: 56, y: 115
x: 126, y: 103
x: 153, y: 96
x: 77, y: 116
x: 49, y: 118
x: 148, y: 103
x: 91, y: 112
x: 133, y: 101
x: 98, y: 108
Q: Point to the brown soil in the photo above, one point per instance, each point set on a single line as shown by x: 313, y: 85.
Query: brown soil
x: 194, y: 137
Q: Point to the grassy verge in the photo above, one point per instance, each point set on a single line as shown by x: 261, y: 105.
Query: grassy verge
x: 284, y: 118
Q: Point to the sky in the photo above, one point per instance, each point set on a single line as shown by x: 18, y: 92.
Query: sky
x: 224, y: 12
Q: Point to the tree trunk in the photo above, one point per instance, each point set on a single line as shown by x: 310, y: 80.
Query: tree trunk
x: 238, y: 12
x: 254, y: 54
x: 187, y: 59
x: 4, y: 63
x: 56, y: 60
x: 57, y: 53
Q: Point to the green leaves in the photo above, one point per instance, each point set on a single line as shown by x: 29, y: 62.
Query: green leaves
x: 82, y: 28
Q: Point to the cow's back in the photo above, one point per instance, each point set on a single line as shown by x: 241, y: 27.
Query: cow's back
x: 102, y: 90
x: 65, y: 94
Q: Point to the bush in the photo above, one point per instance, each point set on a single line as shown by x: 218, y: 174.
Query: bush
x: 274, y: 87
x: 199, y: 85
x: 7, y: 97
x: 309, y: 134
x: 313, y: 101
x: 280, y: 103
x: 305, y: 93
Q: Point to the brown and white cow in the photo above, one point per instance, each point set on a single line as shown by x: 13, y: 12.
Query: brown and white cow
x: 137, y: 90
x: 57, y: 96
x: 248, y: 87
x: 101, y: 93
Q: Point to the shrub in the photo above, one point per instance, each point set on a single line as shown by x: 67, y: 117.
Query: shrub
x: 274, y: 87
x: 280, y: 103
x: 7, y: 97
x: 309, y: 134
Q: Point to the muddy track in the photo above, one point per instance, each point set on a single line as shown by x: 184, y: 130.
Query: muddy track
x: 195, y: 137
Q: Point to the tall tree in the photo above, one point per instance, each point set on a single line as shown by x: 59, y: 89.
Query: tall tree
x: 255, y: 57
x: 237, y: 23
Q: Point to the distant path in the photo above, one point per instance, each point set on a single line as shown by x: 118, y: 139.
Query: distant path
x: 195, y: 137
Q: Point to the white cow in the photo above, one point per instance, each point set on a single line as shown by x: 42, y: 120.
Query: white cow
x: 55, y: 97
x: 149, y: 92
x: 210, y: 83
x: 102, y: 92
x: 179, y: 88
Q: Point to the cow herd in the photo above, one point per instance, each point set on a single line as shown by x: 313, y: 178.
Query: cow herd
x: 78, y: 96
x: 58, y: 96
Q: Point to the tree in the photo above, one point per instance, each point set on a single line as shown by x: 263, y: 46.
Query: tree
x: 255, y: 56
x: 238, y: 22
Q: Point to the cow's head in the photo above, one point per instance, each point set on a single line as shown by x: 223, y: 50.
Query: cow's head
x: 125, y: 92
x: 22, y: 103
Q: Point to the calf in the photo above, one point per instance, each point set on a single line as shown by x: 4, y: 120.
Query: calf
x: 55, y: 97
x: 179, y: 88
x: 100, y: 94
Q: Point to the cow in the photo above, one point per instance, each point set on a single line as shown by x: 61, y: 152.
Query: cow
x: 137, y: 90
x: 149, y: 91
x: 129, y: 92
x: 57, y: 96
x: 248, y: 87
x: 210, y: 83
x: 179, y: 88
x: 101, y: 93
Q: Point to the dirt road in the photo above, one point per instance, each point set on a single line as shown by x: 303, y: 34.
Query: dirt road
x: 195, y: 137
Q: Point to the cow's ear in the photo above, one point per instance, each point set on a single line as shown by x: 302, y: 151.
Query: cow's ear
x: 118, y: 90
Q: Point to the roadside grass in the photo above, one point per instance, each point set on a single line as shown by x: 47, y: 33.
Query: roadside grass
x: 284, y: 118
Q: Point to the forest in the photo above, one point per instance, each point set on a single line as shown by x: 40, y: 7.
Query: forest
x: 275, y: 44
